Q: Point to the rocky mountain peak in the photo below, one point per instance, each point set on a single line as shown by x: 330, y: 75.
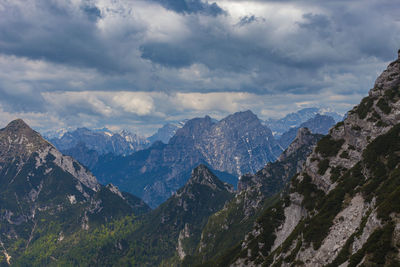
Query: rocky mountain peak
x: 16, y: 125
x: 19, y: 142
x: 192, y: 129
x: 18, y: 139
x: 302, y: 133
x: 246, y: 117
x: 389, y: 79
x: 303, y: 137
x: 202, y: 175
x: 114, y: 190
x: 198, y: 121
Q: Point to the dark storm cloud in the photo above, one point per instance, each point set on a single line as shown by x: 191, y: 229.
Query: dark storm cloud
x: 16, y: 99
x: 343, y: 35
x: 191, y: 6
x: 92, y: 12
x: 318, y: 23
x: 247, y: 20
x: 58, y: 32
x: 63, y: 34
x: 167, y: 55
x: 53, y: 51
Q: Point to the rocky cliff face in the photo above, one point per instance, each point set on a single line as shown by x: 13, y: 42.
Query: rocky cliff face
x: 229, y: 225
x: 42, y: 190
x: 342, y: 208
x: 235, y: 145
x: 238, y: 144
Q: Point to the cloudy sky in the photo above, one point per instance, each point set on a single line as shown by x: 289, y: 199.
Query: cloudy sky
x: 138, y: 64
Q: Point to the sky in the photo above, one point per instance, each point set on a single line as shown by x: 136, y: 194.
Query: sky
x: 138, y: 64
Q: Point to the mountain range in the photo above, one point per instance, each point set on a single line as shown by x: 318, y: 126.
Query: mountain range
x: 102, y: 141
x: 233, y: 146
x: 110, y: 235
x: 119, y: 157
x: 87, y: 145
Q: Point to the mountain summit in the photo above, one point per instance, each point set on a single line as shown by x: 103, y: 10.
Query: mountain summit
x: 17, y: 139
x: 17, y: 125
x: 43, y: 192
x: 201, y: 175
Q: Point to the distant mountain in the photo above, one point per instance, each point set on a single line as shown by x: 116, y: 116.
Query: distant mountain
x: 165, y: 133
x: 294, y: 120
x: 87, y: 145
x: 103, y: 141
x: 86, y: 156
x: 320, y: 124
x: 328, y: 112
x: 235, y: 145
x: 55, y: 133
x: 43, y: 192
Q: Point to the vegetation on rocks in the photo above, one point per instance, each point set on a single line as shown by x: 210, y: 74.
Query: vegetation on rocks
x: 328, y: 147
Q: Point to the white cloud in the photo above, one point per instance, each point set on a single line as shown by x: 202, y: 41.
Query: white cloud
x: 143, y: 112
x: 139, y: 103
x: 226, y: 102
